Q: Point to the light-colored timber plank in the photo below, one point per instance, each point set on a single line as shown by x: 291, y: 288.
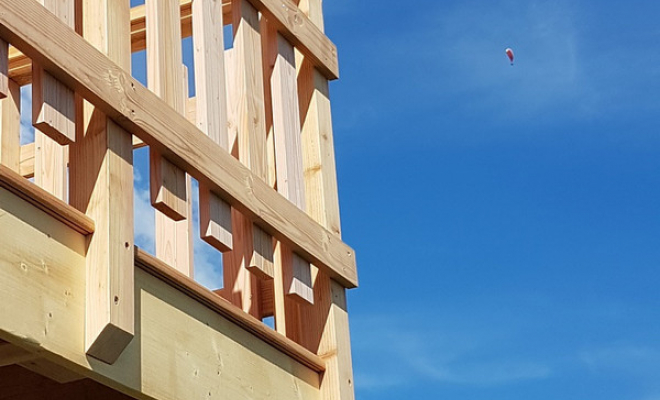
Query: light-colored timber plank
x: 26, y: 168
x: 45, y: 201
x: 101, y: 181
x: 53, y: 108
x: 50, y: 165
x: 301, y: 32
x: 165, y: 78
x: 4, y: 69
x: 242, y: 270
x: 45, y: 39
x: 53, y: 116
x: 211, y: 113
x: 174, y: 240
x: 10, y: 355
x: 327, y: 330
x: 10, y: 128
x: 184, y: 348
x: 288, y: 160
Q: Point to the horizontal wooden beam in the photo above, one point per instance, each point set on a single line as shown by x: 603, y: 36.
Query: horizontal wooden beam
x: 10, y: 355
x: 302, y: 33
x: 223, y: 307
x: 45, y: 201
x: 66, y: 55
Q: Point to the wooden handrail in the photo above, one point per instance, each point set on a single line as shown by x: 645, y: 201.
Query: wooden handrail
x: 45, y: 201
x: 73, y: 61
x: 174, y: 278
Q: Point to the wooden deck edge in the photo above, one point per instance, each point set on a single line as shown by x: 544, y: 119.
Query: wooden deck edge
x: 45, y: 201
x: 162, y: 271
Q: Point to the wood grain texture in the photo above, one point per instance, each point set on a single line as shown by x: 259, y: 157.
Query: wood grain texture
x: 45, y: 201
x: 4, y: 69
x: 211, y: 113
x: 26, y: 168
x: 184, y: 348
x: 10, y: 128
x: 243, y: 268
x: 42, y: 37
x: 53, y: 114
x: 165, y: 79
x: 170, y: 186
x: 327, y: 321
x: 101, y: 182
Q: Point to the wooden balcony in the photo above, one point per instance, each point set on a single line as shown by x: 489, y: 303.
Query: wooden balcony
x: 84, y: 311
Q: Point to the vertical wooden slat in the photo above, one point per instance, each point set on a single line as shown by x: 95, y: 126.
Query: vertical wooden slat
x: 164, y: 77
x: 101, y: 178
x: 211, y: 106
x: 328, y: 331
x: 4, y: 69
x: 245, y: 266
x: 53, y: 108
x: 169, y: 184
x: 288, y: 158
x: 10, y: 127
x: 53, y: 114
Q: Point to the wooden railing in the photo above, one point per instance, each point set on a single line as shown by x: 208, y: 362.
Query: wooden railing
x: 257, y: 137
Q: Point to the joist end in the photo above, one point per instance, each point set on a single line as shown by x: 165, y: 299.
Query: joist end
x: 109, y: 344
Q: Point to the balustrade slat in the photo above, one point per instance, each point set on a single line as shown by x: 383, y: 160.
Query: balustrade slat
x: 211, y: 113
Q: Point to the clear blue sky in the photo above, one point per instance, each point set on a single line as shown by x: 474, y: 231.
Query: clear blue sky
x: 506, y: 219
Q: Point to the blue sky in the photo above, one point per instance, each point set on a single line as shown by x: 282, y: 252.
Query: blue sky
x: 506, y: 219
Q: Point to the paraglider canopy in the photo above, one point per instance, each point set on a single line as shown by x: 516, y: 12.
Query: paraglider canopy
x: 509, y: 53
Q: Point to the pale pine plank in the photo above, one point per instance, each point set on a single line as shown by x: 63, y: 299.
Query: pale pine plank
x: 53, y: 114
x: 4, y: 69
x: 288, y: 152
x: 53, y: 108
x: 211, y: 113
x: 247, y: 118
x: 10, y: 128
x: 169, y: 183
x: 164, y: 76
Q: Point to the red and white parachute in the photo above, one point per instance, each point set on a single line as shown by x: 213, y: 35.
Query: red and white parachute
x: 509, y: 53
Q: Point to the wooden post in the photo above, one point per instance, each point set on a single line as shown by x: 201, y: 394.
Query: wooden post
x: 102, y: 186
x: 328, y: 318
x: 10, y: 127
x: 211, y: 113
x: 169, y: 184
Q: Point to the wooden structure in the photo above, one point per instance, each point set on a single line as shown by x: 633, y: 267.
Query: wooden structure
x: 84, y: 313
